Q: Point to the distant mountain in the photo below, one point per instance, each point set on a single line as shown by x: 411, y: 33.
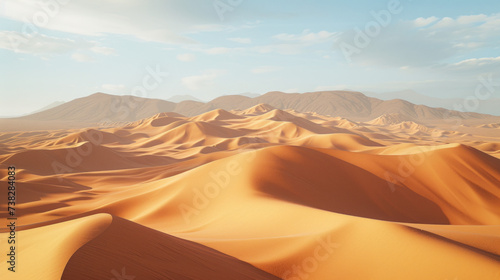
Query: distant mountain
x: 108, y: 109
x: 50, y: 106
x: 347, y: 104
x: 490, y: 106
x: 249, y: 94
x: 101, y: 107
x: 180, y: 98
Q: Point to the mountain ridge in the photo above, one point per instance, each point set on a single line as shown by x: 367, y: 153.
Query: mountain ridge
x: 107, y: 110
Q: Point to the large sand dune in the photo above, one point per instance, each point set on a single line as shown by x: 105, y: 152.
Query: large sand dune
x: 257, y: 193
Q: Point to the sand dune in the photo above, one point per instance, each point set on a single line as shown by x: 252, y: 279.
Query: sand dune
x: 388, y: 119
x: 274, y: 194
x: 490, y: 125
x: 257, y: 109
x: 159, y: 256
x: 100, y: 246
x: 46, y: 250
x: 218, y: 114
x: 347, y: 142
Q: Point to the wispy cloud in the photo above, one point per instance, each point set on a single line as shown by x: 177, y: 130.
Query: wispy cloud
x: 111, y: 88
x: 421, y: 21
x: 186, y: 57
x: 103, y: 50
x: 148, y: 20
x: 241, y: 40
x: 204, y: 80
x: 477, y: 65
x: 265, y: 69
x: 425, y: 42
x: 219, y: 50
x: 46, y: 46
x: 80, y: 57
x: 306, y: 37
x: 334, y: 87
x: 41, y: 44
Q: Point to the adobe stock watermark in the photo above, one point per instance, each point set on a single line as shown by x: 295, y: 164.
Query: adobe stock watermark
x: 223, y: 6
x: 321, y: 253
x: 47, y: 10
x: 94, y: 137
x: 121, y: 276
x: 483, y: 91
x: 363, y: 37
x: 220, y: 180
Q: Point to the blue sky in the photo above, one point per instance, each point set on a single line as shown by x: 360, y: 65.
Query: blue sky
x: 59, y: 50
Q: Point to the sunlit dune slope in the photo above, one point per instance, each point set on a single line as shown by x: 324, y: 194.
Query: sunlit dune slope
x: 128, y: 249
x: 43, y: 252
x: 105, y: 247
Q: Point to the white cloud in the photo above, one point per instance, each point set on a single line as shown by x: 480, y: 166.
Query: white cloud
x: 420, y: 22
x: 285, y: 44
x: 41, y: 44
x: 445, y: 22
x: 218, y: 50
x: 110, y: 88
x: 464, y: 20
x: 286, y: 49
x: 470, y: 45
x: 208, y: 28
x: 328, y: 88
x: 80, y: 57
x: 478, y: 61
x: 148, y: 20
x: 201, y: 81
x: 186, y: 57
x: 306, y: 37
x: 479, y: 65
x: 46, y: 46
x: 422, y: 42
x: 265, y: 69
x: 293, y: 44
x: 241, y: 40
x: 472, y: 19
x: 492, y: 23
x: 103, y: 50
x: 291, y: 90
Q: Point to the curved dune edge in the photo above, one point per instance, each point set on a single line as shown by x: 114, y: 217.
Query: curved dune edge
x: 129, y: 249
x: 383, y: 250
x: 44, y: 251
x: 485, y: 238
